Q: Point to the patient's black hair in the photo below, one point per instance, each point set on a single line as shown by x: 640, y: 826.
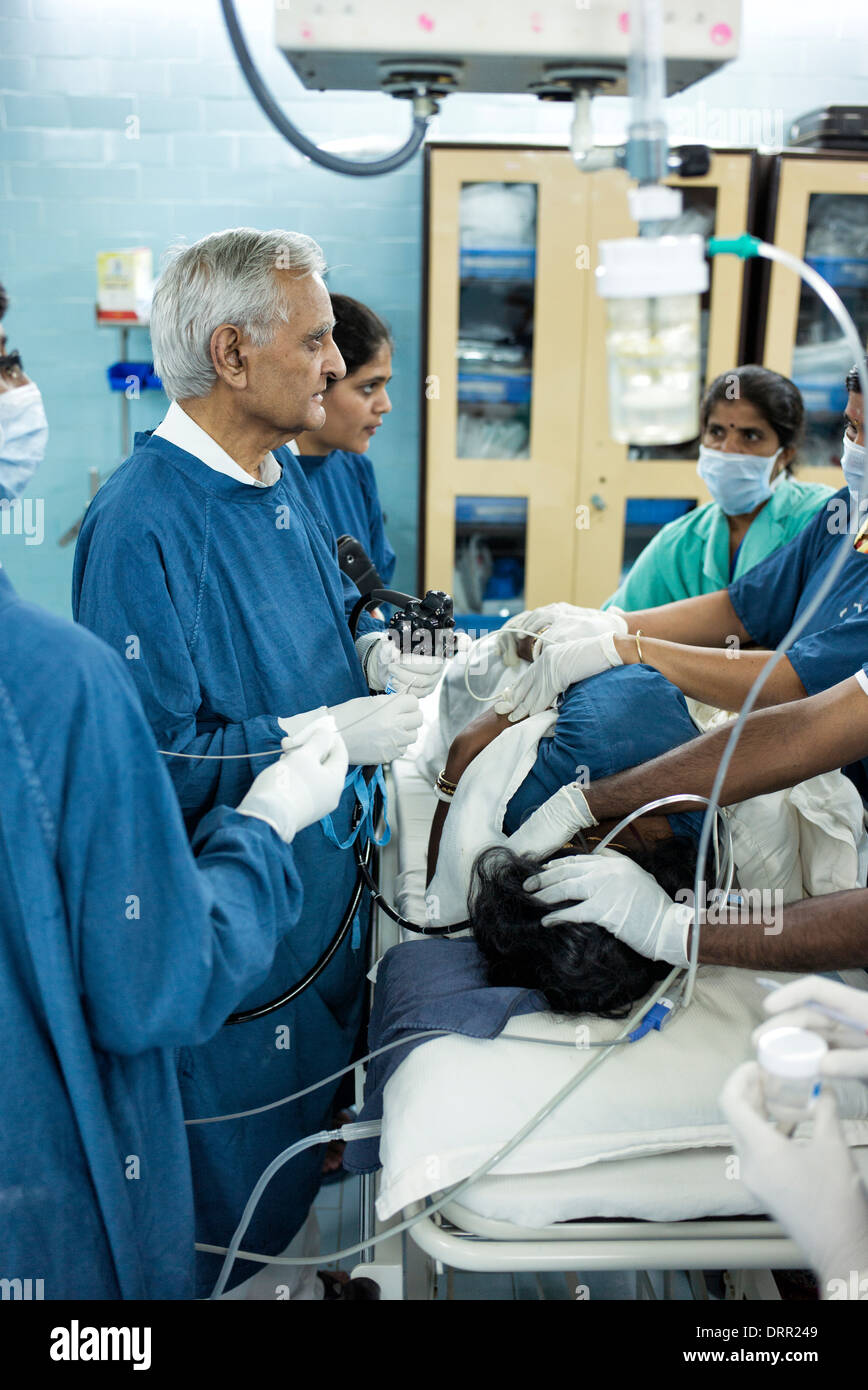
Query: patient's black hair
x: 580, y: 968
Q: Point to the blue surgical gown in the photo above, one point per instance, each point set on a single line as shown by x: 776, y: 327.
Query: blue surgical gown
x: 227, y: 602
x: 612, y: 721
x: 346, y: 489
x: 116, y: 948
x: 832, y: 646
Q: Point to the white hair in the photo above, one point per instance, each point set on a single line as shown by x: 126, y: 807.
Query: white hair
x: 227, y: 277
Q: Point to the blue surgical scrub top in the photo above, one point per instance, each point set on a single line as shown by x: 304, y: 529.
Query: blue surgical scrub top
x: 606, y: 724
x: 117, y: 947
x: 690, y: 556
x: 775, y: 592
x: 346, y: 489
x: 228, y: 606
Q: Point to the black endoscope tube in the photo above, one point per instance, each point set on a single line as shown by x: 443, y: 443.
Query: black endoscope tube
x: 377, y: 897
x: 362, y: 859
x: 364, y: 877
x: 378, y: 596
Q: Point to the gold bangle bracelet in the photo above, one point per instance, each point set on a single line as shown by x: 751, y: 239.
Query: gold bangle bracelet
x: 639, y: 646
x: 444, y: 785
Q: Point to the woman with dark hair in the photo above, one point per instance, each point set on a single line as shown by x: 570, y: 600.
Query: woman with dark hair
x: 751, y: 422
x: 335, y: 459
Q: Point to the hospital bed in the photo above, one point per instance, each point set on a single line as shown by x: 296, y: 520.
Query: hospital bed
x: 681, y: 1210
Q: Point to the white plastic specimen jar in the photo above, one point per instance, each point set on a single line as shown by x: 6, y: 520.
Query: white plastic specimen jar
x: 789, y: 1060
x: 652, y: 288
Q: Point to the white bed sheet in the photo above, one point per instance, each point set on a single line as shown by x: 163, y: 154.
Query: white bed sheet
x: 659, y: 1187
x: 683, y: 1173
x: 455, y: 1100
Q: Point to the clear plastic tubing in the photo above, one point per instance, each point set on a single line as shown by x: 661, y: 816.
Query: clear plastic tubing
x: 790, y: 1060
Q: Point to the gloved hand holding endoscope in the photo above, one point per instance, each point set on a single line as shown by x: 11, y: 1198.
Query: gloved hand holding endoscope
x: 378, y: 728
x: 387, y: 667
x: 609, y: 889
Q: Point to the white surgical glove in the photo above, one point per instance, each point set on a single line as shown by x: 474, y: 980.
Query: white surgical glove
x: 553, y: 825
x: 848, y: 1047
x: 296, y: 722
x: 618, y: 895
x: 812, y: 1188
x: 378, y: 728
x: 557, y: 667
x: 582, y: 622
x: 304, y: 784
x: 562, y: 622
x: 386, y: 667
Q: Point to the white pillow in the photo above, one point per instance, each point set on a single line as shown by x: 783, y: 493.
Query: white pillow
x: 456, y: 1100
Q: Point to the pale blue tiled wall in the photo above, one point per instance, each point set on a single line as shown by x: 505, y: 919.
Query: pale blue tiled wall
x: 72, y: 73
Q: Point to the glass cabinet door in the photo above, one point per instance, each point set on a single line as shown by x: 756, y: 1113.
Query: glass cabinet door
x: 836, y: 245
x: 490, y: 557
x: 497, y: 266
x: 822, y: 216
x: 507, y: 284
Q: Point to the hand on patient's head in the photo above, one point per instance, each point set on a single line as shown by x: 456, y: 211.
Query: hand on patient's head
x: 579, y: 967
x: 619, y: 894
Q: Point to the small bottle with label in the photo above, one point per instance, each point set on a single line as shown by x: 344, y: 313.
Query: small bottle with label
x: 790, y: 1060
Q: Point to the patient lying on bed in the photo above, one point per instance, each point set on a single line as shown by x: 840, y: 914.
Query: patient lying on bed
x: 795, y: 842
x: 502, y: 772
x: 579, y: 968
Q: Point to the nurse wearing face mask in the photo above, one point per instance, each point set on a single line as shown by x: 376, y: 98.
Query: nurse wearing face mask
x: 23, y: 426
x: 751, y: 423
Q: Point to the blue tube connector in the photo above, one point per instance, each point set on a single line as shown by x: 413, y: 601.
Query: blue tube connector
x: 655, y: 1018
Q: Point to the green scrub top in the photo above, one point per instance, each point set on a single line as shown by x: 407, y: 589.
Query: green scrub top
x: 690, y: 556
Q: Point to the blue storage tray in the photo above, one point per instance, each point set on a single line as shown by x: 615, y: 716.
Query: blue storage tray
x: 498, y: 263
x: 841, y: 271
x: 827, y: 397
x: 118, y: 373
x: 492, y: 511
x: 483, y: 388
x: 656, y: 511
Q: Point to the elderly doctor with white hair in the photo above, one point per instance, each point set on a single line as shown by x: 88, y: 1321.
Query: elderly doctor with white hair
x: 206, y: 563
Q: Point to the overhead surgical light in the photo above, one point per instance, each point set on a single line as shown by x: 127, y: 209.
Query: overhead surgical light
x: 559, y: 52
x: 423, y: 52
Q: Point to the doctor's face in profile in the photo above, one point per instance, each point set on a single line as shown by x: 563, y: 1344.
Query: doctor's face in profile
x: 287, y: 377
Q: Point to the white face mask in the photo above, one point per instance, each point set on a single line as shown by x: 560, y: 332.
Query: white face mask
x: 853, y: 464
x: 23, y: 437
x: 739, y: 483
